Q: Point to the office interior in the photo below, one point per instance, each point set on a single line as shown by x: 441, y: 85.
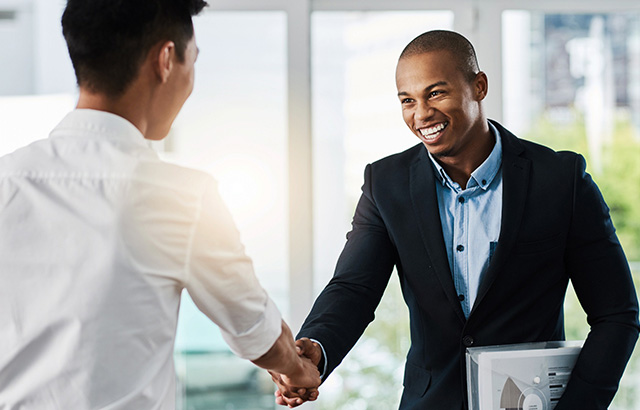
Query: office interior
x: 294, y: 97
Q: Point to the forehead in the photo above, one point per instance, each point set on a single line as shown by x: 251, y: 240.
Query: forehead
x: 432, y: 66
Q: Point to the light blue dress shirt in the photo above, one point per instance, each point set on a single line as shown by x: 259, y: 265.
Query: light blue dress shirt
x: 471, y: 220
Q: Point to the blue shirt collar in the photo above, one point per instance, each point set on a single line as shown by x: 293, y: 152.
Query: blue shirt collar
x: 484, y: 174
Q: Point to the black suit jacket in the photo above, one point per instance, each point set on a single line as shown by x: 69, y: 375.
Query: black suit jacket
x: 555, y: 228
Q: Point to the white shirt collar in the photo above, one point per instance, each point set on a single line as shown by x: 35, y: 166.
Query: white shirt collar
x: 101, y: 124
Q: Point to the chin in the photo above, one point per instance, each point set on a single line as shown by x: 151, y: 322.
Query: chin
x: 440, y: 154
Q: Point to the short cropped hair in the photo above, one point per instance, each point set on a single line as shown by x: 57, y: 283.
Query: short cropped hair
x: 109, y: 39
x: 438, y: 40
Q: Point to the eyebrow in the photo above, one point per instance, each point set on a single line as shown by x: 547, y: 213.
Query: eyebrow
x: 426, y: 90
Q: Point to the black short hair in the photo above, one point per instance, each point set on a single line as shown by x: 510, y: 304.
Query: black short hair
x: 438, y: 40
x: 109, y: 39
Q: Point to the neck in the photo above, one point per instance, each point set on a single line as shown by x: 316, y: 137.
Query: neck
x: 130, y: 106
x: 459, y: 167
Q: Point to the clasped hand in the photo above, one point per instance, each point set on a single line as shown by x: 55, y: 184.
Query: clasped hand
x: 297, y: 389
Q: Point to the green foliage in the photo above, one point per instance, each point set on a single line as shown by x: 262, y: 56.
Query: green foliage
x: 620, y: 184
x: 575, y: 320
x: 370, y: 377
x: 570, y: 135
x: 619, y: 179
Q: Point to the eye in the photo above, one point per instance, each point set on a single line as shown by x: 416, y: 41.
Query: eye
x: 406, y: 101
x: 435, y: 93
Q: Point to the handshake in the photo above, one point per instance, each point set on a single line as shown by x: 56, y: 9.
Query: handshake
x: 302, y: 385
x: 293, y: 367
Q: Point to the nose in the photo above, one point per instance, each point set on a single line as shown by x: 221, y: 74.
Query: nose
x: 423, y: 111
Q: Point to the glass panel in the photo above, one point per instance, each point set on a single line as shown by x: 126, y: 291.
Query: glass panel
x: 571, y: 81
x: 357, y: 120
x: 234, y: 126
x: 39, y: 81
x: 16, y: 44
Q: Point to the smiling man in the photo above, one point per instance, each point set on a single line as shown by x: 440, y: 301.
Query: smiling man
x: 485, y: 231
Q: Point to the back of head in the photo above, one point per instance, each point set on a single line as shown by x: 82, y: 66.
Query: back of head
x: 443, y: 40
x: 109, y: 39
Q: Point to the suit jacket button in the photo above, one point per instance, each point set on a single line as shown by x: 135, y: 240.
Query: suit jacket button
x: 467, y: 341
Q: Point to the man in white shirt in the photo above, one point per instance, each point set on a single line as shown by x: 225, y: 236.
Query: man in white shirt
x: 98, y: 237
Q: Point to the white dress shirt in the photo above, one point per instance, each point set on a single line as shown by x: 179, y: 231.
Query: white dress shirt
x: 98, y: 237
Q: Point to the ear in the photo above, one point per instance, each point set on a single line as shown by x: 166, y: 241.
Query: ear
x: 165, y: 58
x: 481, y: 86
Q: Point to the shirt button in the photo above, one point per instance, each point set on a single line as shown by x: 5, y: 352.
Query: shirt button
x: 484, y: 182
x: 467, y: 341
x: 461, y: 200
x: 461, y: 297
x: 460, y: 248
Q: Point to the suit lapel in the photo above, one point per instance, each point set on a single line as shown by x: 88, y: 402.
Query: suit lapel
x: 425, y: 204
x: 515, y: 184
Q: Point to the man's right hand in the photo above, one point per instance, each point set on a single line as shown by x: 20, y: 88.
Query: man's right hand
x: 294, y: 374
x: 309, y: 349
x: 287, y: 394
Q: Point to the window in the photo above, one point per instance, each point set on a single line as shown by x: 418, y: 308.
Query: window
x: 571, y: 81
x: 357, y: 120
x: 234, y: 127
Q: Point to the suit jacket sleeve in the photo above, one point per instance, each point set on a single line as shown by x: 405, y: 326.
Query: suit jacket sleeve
x: 346, y: 306
x: 601, y: 278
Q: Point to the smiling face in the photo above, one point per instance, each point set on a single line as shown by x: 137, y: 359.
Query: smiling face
x: 441, y: 105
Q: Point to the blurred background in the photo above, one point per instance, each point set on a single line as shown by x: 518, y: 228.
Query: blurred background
x: 294, y: 97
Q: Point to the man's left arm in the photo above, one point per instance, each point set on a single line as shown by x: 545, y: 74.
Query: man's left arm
x: 600, y: 275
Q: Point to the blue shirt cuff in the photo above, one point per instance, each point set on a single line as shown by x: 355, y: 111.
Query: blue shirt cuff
x: 323, y: 360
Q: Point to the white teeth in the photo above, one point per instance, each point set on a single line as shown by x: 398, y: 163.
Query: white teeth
x: 428, y: 132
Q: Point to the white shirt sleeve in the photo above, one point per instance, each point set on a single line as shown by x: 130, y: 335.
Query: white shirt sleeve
x: 222, y: 282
